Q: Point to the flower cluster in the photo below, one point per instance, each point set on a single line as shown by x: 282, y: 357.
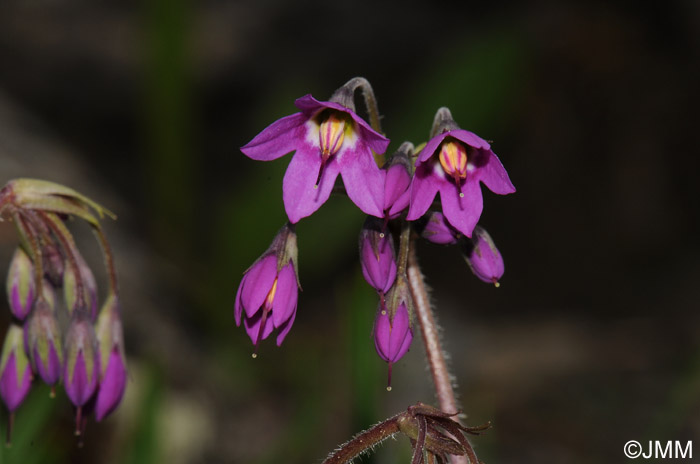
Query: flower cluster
x: 330, y: 140
x: 86, y: 353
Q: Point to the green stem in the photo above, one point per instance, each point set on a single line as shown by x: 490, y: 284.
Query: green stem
x: 108, y: 258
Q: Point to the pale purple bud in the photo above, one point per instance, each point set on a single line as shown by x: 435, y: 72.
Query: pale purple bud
x: 112, y: 359
x: 377, y: 255
x: 70, y: 287
x: 15, y: 371
x: 483, y: 257
x: 438, y: 230
x: 82, y: 361
x: 43, y: 342
x: 267, y: 295
x: 21, y: 287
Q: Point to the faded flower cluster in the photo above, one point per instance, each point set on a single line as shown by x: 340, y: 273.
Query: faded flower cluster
x: 398, y: 193
x: 71, y: 342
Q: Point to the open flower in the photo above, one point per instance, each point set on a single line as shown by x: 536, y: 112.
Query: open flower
x: 453, y: 163
x: 329, y: 139
x: 267, y: 296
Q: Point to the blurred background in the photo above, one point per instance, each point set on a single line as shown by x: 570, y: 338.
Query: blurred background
x: 591, y: 340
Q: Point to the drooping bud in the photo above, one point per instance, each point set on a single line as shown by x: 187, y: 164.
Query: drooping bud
x: 43, y: 341
x: 437, y: 230
x: 112, y: 359
x: 82, y: 364
x: 70, y: 286
x: 397, y: 182
x: 483, y: 257
x: 15, y: 371
x: 267, y: 295
x: 393, y: 331
x: 377, y: 255
x: 21, y: 288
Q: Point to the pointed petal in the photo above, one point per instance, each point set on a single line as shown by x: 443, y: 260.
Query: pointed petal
x: 399, y: 328
x: 12, y: 389
x: 300, y: 197
x: 492, y: 173
x: 252, y: 327
x: 423, y: 190
x: 408, y: 338
x: 112, y: 386
x: 258, y: 282
x: 462, y: 213
x: 382, y: 336
x: 430, y: 148
x: 284, y: 329
x: 363, y: 180
x: 277, y: 139
x: 285, y: 296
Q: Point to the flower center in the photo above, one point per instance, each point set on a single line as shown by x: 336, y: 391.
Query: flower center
x: 331, y: 135
x: 453, y: 158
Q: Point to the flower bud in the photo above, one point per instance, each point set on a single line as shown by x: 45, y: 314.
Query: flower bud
x: 397, y: 182
x: 483, y: 257
x: 43, y: 341
x: 112, y: 359
x: 393, y: 330
x: 377, y: 255
x: 53, y: 263
x: 70, y: 287
x: 21, y: 288
x: 82, y: 362
x: 438, y: 230
x: 267, y: 295
x: 15, y: 371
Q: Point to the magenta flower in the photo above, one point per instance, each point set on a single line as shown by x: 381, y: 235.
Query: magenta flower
x: 267, y: 295
x: 43, y: 340
x: 329, y: 139
x: 453, y: 163
x: 397, y: 182
x: 377, y: 256
x: 82, y: 363
x: 393, y: 336
x: 483, y: 257
x: 21, y: 288
x: 438, y: 230
x: 112, y: 358
x: 15, y: 371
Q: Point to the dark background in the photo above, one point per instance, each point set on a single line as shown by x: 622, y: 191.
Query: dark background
x: 592, y: 339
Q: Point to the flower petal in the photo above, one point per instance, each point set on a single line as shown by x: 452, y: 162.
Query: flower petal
x: 277, y: 139
x: 399, y: 329
x: 112, y: 386
x: 470, y: 138
x: 492, y: 173
x: 462, y: 213
x: 252, y: 327
x: 300, y: 197
x: 258, y: 282
x: 424, y: 187
x: 363, y: 180
x: 430, y: 148
x: 285, y: 300
x: 396, y: 183
x: 284, y: 329
x: 382, y: 336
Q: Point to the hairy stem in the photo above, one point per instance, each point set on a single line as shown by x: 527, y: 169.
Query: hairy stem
x: 108, y: 258
x: 24, y: 225
x: 345, y: 96
x: 364, y: 441
x: 404, y: 245
x: 431, y: 339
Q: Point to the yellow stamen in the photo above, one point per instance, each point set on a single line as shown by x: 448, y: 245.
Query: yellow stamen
x: 331, y: 135
x: 271, y: 295
x: 453, y: 158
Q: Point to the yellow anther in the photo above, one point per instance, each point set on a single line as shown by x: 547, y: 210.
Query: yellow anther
x: 271, y: 295
x: 331, y: 135
x: 453, y: 158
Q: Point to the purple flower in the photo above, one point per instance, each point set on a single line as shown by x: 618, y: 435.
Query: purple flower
x: 438, y: 230
x: 393, y: 335
x: 483, y: 257
x: 397, y: 182
x: 15, y: 371
x: 43, y: 340
x: 112, y: 359
x: 377, y: 256
x: 21, y: 288
x: 329, y: 139
x: 82, y: 363
x: 453, y: 163
x: 267, y: 295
